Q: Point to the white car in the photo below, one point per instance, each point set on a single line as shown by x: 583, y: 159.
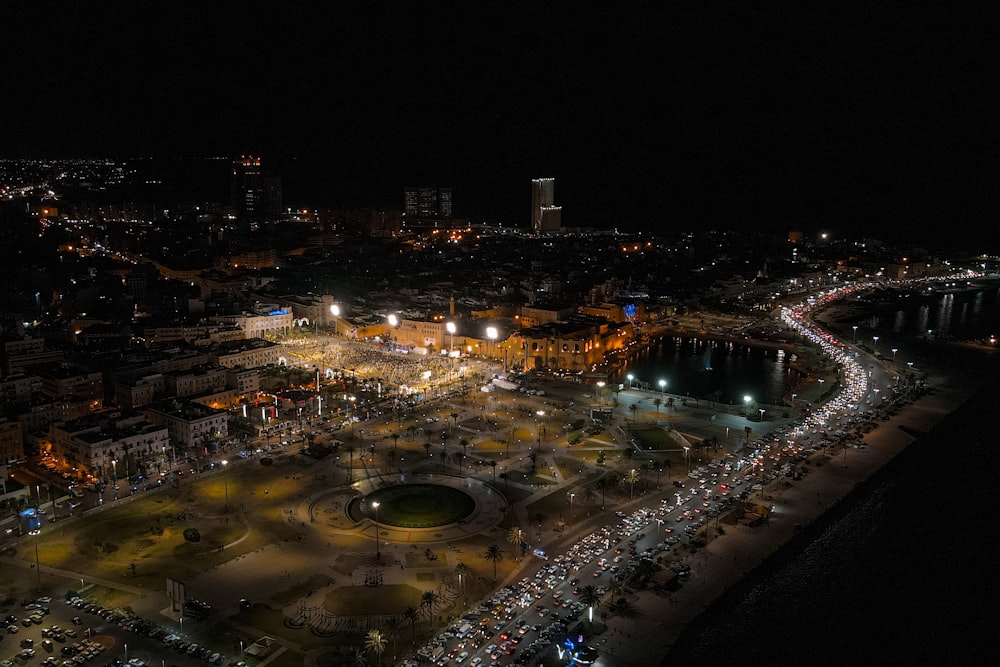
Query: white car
x: 462, y: 656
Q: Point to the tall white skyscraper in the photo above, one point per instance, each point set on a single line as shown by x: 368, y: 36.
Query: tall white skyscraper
x: 545, y: 215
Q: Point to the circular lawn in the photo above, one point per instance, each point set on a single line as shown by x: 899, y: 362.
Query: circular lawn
x: 418, y: 505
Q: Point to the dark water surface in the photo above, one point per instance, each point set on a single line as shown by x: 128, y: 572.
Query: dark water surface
x: 698, y: 368
x: 903, y: 571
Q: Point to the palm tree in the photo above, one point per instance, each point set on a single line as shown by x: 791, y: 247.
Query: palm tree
x: 395, y: 440
x: 603, y: 484
x: 359, y: 657
x: 428, y: 600
x: 533, y: 457
x: 494, y: 555
x: 376, y: 643
x: 515, y: 536
x: 411, y: 614
x: 634, y: 407
x: 463, y: 571
x: 457, y: 457
x: 454, y: 418
x: 631, y: 477
x: 427, y: 447
x: 443, y: 455
x: 390, y: 457
x: 614, y: 586
x: 644, y: 469
x: 350, y: 469
x: 392, y: 624
x: 493, y: 463
x: 657, y: 402
x: 590, y: 597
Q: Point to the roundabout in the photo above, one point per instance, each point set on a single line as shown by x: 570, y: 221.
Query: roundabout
x: 421, y: 508
x: 416, y: 505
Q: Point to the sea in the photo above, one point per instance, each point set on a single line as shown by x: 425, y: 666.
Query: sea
x: 719, y: 370
x: 903, y: 571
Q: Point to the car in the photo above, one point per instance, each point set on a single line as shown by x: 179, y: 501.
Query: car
x: 77, y: 620
x: 47, y: 645
x: 462, y: 656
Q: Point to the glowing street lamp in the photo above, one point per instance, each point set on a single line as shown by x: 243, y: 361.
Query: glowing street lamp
x: 225, y: 478
x: 855, y: 327
x: 375, y: 504
x: 630, y: 378
x: 335, y: 311
x: 663, y: 384
x: 450, y: 327
x: 875, y: 345
x: 894, y: 351
x: 746, y: 404
x: 393, y: 320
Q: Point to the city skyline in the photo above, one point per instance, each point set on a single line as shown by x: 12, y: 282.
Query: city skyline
x: 770, y: 117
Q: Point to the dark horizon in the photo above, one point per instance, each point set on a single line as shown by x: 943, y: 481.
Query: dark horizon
x: 767, y: 117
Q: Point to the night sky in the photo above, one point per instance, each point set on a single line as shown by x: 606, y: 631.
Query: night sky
x: 770, y: 115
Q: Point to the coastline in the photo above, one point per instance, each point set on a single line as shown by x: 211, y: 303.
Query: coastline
x: 864, y: 583
x: 734, y: 564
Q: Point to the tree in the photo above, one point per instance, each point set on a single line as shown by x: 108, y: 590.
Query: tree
x: 494, y: 555
x: 359, y: 658
x: 590, y: 597
x: 443, y: 455
x: 515, y: 536
x: 464, y: 445
x: 634, y: 407
x: 463, y: 571
x: 411, y: 614
x: 493, y: 464
x: 657, y: 402
x: 457, y: 457
x: 454, y: 418
x: 427, y: 600
x: 533, y: 457
x: 392, y: 624
x: 631, y: 477
x: 427, y: 447
x: 395, y: 440
x: 350, y: 468
x: 376, y: 643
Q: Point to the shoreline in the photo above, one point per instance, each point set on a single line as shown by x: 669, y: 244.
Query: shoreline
x: 732, y: 564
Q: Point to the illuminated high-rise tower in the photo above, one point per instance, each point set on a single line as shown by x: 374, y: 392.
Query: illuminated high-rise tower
x: 545, y: 215
x: 256, y: 194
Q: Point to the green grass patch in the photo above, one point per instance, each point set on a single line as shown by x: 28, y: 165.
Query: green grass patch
x: 418, y: 505
x: 651, y: 439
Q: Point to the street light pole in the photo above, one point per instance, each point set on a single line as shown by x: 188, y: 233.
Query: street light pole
x: 335, y: 311
x: 375, y: 504
x: 855, y: 327
x: 875, y: 345
x: 630, y: 378
x: 571, y: 496
x: 225, y: 479
x: 663, y: 384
